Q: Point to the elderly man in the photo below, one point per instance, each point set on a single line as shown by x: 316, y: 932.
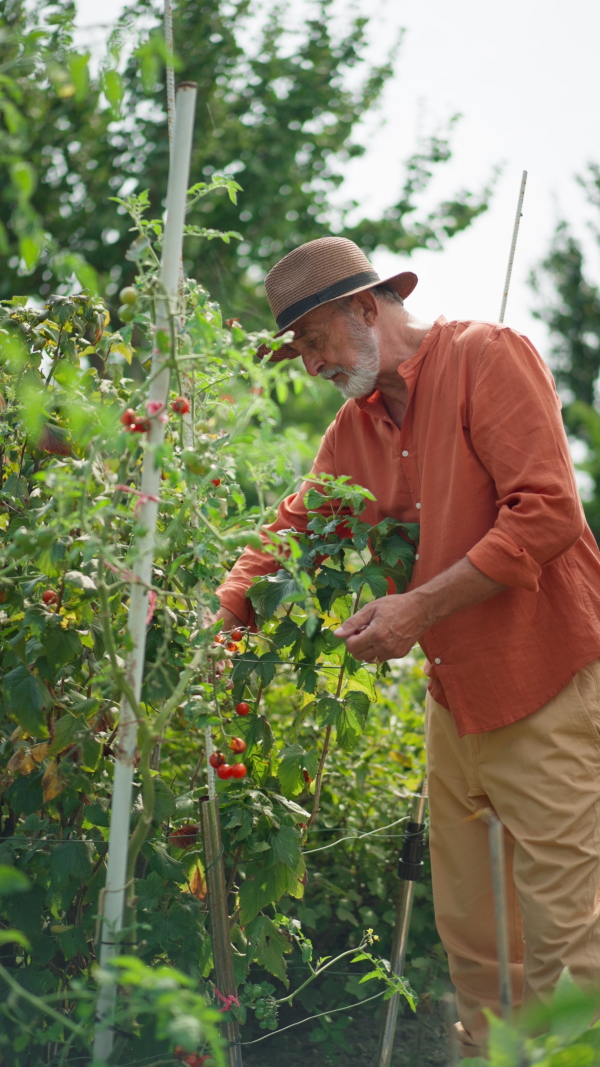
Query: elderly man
x: 457, y: 426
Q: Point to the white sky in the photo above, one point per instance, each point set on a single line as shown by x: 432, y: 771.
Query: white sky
x: 524, y: 75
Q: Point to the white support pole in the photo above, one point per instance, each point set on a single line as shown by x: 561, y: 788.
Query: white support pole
x: 115, y: 889
x: 513, y: 246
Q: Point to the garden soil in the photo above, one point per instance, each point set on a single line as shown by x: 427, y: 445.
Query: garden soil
x: 421, y: 1041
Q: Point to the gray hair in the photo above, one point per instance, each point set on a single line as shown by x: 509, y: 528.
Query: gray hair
x: 382, y: 292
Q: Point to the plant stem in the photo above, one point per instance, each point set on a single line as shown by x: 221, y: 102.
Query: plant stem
x: 319, y: 776
x: 38, y: 1003
x: 318, y: 973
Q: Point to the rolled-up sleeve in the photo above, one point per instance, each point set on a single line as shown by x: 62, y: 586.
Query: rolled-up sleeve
x: 252, y: 563
x: 517, y: 433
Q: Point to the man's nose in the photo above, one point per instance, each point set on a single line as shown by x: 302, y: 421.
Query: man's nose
x: 312, y: 364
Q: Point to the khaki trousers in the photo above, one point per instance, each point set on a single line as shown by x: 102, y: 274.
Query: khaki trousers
x: 541, y: 776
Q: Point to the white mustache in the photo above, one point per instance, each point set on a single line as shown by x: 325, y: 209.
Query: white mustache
x: 331, y: 372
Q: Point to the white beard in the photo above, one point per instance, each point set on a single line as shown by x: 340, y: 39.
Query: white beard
x: 360, y: 381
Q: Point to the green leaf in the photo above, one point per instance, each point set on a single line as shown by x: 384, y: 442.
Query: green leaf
x: 164, y: 801
x: 359, y: 702
x: 572, y: 1010
x: 376, y: 580
x: 71, y: 860
x: 260, y: 733
x: 289, y: 770
x: 327, y: 710
x: 285, y: 845
x: 12, y: 881
x: 269, y: 592
x: 9, y: 936
x: 26, y: 697
x: 78, y: 69
x: 349, y: 728
x: 91, y: 750
x: 287, y: 633
x: 112, y: 84
x: 24, y: 179
x: 268, y: 946
x: 64, y: 733
x: 244, y: 666
x: 62, y: 646
x: 265, y: 670
x: 160, y: 861
x: 16, y: 487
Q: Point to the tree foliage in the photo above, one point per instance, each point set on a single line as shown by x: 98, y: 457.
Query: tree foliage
x: 282, y: 117
x: 571, y: 310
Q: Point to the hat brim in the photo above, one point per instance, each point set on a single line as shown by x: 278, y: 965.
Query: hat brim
x: 402, y: 283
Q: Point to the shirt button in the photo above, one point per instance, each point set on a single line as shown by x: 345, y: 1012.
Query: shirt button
x: 404, y: 453
x: 416, y: 555
x: 418, y: 506
x: 437, y: 660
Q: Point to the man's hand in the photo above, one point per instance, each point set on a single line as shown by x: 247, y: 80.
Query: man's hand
x: 384, y: 629
x: 388, y: 628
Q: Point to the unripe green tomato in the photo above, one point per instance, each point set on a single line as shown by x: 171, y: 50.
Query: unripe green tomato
x: 23, y: 537
x: 126, y: 313
x: 193, y: 462
x: 222, y: 492
x: 128, y: 295
x: 217, y: 652
x: 45, y: 537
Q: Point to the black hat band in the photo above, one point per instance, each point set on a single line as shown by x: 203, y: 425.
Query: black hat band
x: 346, y: 285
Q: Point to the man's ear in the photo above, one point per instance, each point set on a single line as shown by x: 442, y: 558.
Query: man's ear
x: 366, y: 306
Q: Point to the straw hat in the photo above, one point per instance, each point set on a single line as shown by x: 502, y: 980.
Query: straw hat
x: 318, y: 272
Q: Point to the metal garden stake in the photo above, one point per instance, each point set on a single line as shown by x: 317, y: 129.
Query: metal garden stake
x: 410, y: 869
x: 513, y: 246
x: 115, y: 889
x: 496, y: 837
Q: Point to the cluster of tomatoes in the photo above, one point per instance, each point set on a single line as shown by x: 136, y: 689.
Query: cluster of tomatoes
x: 229, y: 643
x: 136, y: 423
x: 192, y: 1059
x: 225, y: 770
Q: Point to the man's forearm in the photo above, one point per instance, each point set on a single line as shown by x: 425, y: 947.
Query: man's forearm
x: 389, y: 627
x: 461, y: 586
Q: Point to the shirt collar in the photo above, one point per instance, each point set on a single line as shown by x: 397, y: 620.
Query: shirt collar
x: 408, y: 369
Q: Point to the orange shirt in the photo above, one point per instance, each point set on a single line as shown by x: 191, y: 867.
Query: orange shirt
x: 482, y: 463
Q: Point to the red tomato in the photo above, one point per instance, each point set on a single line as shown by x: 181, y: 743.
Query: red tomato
x: 141, y: 426
x: 128, y: 417
x: 49, y: 596
x: 216, y: 482
x: 231, y: 646
x: 224, y: 770
x: 242, y: 708
x: 181, y: 405
x: 216, y: 759
x: 238, y: 770
x: 237, y: 744
x: 237, y: 635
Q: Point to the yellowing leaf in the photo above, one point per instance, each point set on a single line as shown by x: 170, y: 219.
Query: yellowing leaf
x: 51, y: 782
x: 123, y: 350
x: 197, y: 883
x: 39, y: 752
x: 21, y: 762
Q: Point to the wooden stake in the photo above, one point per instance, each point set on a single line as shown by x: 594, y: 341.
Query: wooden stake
x: 219, y: 919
